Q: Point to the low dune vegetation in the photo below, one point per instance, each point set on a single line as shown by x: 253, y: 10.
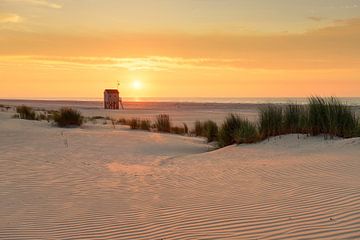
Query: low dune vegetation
x: 25, y: 112
x: 68, y: 117
x: 162, y: 123
x: 207, y: 129
x: 321, y: 116
x: 136, y: 123
x: 237, y: 130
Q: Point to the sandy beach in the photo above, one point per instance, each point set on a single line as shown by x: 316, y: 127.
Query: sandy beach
x: 97, y: 182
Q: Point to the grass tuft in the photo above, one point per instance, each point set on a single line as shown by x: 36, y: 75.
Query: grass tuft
x: 162, y: 123
x: 145, y: 125
x: 134, y: 123
x: 207, y: 129
x: 236, y: 130
x: 331, y: 117
x: 26, y: 112
x: 68, y: 117
x: 270, y: 121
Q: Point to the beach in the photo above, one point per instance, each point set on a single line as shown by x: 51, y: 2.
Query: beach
x: 100, y: 182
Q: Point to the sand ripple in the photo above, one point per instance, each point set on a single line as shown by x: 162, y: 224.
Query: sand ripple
x: 286, y: 188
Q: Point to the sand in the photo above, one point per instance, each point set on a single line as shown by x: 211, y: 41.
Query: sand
x: 97, y: 182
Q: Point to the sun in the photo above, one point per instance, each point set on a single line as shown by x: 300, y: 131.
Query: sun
x: 136, y: 84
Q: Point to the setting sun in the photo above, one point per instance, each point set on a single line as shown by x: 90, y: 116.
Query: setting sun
x: 136, y: 84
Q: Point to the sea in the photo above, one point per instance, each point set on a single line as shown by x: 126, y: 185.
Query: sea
x: 353, y: 101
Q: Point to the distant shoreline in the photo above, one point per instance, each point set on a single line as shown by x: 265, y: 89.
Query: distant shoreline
x: 352, y: 101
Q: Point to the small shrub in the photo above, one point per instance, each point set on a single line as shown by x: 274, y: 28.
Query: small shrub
x: 162, y: 123
x: 357, y: 130
x: 331, y: 117
x: 186, y: 129
x: 41, y: 116
x: 247, y: 133
x: 51, y: 114
x: 134, y: 123
x: 210, y: 130
x: 198, y: 128
x: 68, y: 117
x: 26, y: 112
x: 123, y: 121
x: 229, y: 129
x: 292, y: 118
x: 145, y: 125
x: 177, y: 130
x: 270, y: 121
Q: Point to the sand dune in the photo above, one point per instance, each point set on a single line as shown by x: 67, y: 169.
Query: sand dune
x: 102, y: 183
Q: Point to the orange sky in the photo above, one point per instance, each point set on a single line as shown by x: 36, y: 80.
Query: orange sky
x: 192, y: 48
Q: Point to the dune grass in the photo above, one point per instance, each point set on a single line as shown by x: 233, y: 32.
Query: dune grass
x: 134, y: 123
x: 236, y: 130
x: 247, y: 133
x: 270, y: 121
x: 198, y: 128
x: 68, y: 117
x: 162, y: 123
x: 145, y: 124
x: 331, y: 117
x: 26, y: 112
x: 186, y: 129
x: 208, y: 129
x: 321, y: 116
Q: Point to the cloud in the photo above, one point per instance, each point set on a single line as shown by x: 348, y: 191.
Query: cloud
x: 9, y: 18
x: 316, y: 19
x: 333, y: 47
x: 41, y: 3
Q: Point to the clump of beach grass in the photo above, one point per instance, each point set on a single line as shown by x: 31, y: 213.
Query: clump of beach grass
x: 25, y: 112
x: 177, y: 130
x: 331, y: 117
x: 186, y: 128
x: 162, y: 123
x: 137, y: 123
x: 145, y: 124
x: 271, y: 121
x: 198, y: 128
x: 68, y: 117
x: 134, y: 123
x: 294, y: 118
x: 247, y: 133
x: 208, y: 129
x: 236, y: 130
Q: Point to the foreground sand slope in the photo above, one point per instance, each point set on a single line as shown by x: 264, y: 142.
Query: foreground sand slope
x: 104, y: 183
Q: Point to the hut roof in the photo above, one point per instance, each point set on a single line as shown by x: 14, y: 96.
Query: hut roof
x: 111, y: 91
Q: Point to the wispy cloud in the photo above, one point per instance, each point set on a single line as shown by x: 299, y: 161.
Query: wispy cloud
x: 162, y: 63
x: 41, y: 3
x: 316, y: 19
x: 9, y: 18
x: 332, y: 47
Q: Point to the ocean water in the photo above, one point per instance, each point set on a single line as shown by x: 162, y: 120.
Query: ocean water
x: 353, y: 101
x: 347, y: 100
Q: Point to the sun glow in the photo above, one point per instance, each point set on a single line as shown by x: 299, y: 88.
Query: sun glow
x: 136, y: 84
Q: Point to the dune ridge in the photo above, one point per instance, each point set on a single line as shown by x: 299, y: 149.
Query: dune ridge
x: 56, y: 184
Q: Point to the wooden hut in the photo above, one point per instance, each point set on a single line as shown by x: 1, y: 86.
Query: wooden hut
x: 112, y: 99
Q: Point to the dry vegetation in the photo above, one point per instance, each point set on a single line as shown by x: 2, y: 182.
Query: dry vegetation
x: 321, y: 116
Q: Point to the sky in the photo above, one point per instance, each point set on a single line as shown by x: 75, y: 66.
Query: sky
x: 171, y: 48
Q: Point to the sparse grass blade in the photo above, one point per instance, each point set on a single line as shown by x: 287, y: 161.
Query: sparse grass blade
x: 271, y: 121
x: 163, y: 123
